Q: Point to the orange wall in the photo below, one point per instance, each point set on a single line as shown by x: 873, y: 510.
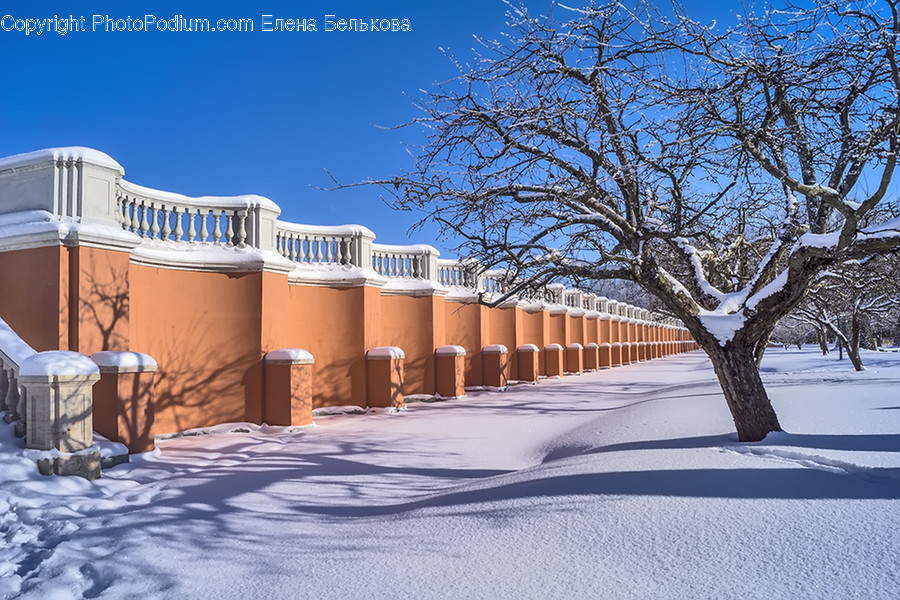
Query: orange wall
x: 415, y: 324
x: 466, y: 327
x: 203, y: 329
x: 102, y: 301
x: 209, y: 331
x: 34, y: 307
x: 334, y: 325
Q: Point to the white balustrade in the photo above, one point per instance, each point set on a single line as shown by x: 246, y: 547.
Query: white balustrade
x: 494, y: 282
x: 313, y: 245
x: 405, y: 262
x: 457, y: 273
x: 174, y: 219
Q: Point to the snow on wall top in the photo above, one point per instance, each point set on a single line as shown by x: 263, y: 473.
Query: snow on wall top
x: 385, y: 352
x: 59, y: 363
x: 494, y: 349
x: 450, y: 351
x: 242, y: 201
x: 290, y: 355
x: 125, y: 362
x: 64, y: 153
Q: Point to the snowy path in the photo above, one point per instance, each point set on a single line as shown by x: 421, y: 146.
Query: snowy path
x: 626, y: 483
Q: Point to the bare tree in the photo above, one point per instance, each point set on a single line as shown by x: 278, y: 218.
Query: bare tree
x: 847, y: 300
x: 720, y: 171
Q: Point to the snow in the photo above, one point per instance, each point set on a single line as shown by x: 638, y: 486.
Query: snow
x: 24, y: 227
x: 68, y: 153
x: 624, y: 483
x: 385, y: 352
x: 450, y: 351
x: 60, y: 363
x: 124, y: 361
x: 494, y: 349
x: 242, y: 201
x: 290, y: 355
x: 722, y: 325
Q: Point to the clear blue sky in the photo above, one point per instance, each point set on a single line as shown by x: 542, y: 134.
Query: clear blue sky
x: 231, y: 113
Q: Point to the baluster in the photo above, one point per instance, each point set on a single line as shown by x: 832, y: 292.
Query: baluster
x: 308, y: 255
x: 328, y: 255
x: 144, y: 220
x: 154, y: 221
x: 121, y: 211
x: 217, y: 230
x: 319, y: 242
x: 179, y: 232
x: 292, y: 241
x: 204, y: 231
x: 166, y: 230
x: 12, y: 398
x: 242, y: 228
x: 4, y: 387
x: 191, y: 232
x: 229, y: 229
x: 135, y: 219
x: 345, y: 251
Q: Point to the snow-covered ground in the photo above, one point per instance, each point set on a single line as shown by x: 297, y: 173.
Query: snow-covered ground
x: 626, y: 483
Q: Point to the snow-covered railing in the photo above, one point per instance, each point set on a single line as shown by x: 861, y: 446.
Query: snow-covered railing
x: 174, y: 219
x: 346, y: 245
x: 49, y: 397
x: 13, y: 352
x: 494, y: 281
x: 571, y: 298
x: 455, y: 273
x: 85, y: 189
x: 417, y: 261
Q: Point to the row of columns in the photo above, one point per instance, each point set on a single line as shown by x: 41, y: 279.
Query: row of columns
x: 289, y: 386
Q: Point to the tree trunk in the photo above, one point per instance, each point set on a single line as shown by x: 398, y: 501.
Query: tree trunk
x: 744, y: 392
x: 822, y: 337
x: 853, y: 346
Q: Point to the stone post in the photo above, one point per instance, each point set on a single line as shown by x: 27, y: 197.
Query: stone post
x: 528, y: 356
x: 123, y: 399
x: 288, y: 387
x: 495, y: 366
x: 58, y: 395
x: 450, y: 372
x: 384, y: 377
x: 553, y: 360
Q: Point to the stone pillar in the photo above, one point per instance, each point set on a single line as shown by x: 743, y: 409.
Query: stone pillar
x: 495, y: 366
x: 553, y: 360
x: 615, y: 354
x: 626, y: 353
x: 574, y: 358
x: 591, y: 356
x: 287, y: 387
x: 528, y: 358
x: 605, y: 354
x: 384, y: 377
x: 58, y: 395
x: 450, y: 372
x: 123, y: 399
